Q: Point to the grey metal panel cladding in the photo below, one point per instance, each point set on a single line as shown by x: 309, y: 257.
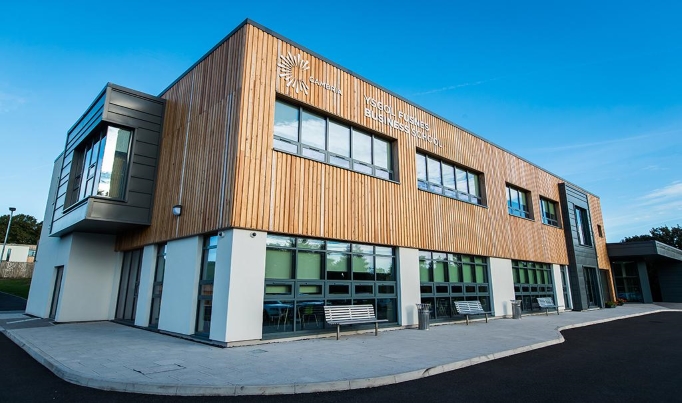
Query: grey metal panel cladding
x: 145, y: 149
x: 579, y: 256
x: 670, y: 280
x: 144, y: 115
x: 130, y: 100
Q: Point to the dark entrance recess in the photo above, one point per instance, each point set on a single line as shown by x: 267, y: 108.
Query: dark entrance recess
x: 129, y: 286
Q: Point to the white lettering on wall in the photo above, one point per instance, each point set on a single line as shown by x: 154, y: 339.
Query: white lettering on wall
x: 399, y: 120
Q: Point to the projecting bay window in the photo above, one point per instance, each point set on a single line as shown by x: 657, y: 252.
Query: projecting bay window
x: 302, y: 132
x: 456, y: 182
x: 518, y: 202
x: 549, y: 212
x: 100, y: 165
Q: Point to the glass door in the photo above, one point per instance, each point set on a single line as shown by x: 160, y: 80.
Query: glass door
x: 591, y: 287
x: 129, y: 285
x: 56, y: 291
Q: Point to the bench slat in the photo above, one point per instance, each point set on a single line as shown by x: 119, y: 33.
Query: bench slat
x: 351, y: 315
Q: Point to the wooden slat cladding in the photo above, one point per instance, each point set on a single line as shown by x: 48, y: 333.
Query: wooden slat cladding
x: 599, y: 241
x: 195, y: 159
x: 278, y: 192
x: 247, y: 184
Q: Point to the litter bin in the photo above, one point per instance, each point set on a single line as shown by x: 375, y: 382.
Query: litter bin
x: 516, y: 309
x: 424, y: 316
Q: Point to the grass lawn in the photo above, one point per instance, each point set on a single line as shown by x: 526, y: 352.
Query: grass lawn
x: 15, y: 286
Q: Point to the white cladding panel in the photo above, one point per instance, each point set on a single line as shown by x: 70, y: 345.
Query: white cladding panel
x: 502, y: 286
x: 409, y: 293
x: 180, y: 285
x: 144, y: 293
x: 88, y: 278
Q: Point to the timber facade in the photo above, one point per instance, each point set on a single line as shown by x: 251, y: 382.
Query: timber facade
x: 281, y: 182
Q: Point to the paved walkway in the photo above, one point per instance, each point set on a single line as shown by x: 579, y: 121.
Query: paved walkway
x: 110, y: 356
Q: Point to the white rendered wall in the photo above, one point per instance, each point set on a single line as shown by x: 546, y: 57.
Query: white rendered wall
x: 88, y: 278
x: 53, y: 252
x: 558, y: 287
x: 17, y: 253
x: 502, y: 286
x: 409, y: 293
x: 238, y: 286
x: 144, y: 292
x: 180, y: 285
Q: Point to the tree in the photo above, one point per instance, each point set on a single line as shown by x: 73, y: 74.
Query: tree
x: 669, y: 236
x: 25, y: 229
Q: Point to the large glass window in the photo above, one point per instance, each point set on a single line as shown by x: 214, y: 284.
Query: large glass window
x: 549, y: 212
x: 448, y: 277
x: 205, y: 296
x: 582, y: 224
x: 100, y: 165
x: 518, y: 202
x: 304, y: 274
x: 628, y: 285
x: 440, y: 177
x: 531, y: 281
x: 299, y: 131
x: 157, y: 287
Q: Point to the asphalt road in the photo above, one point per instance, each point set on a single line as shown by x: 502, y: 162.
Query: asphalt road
x: 631, y: 360
x: 9, y: 302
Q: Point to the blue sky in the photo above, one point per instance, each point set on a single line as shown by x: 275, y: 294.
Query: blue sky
x: 590, y: 91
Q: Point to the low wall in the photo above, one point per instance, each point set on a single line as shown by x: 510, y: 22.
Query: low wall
x: 16, y: 269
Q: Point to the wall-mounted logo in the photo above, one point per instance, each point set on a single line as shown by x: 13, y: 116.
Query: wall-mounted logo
x: 293, y: 70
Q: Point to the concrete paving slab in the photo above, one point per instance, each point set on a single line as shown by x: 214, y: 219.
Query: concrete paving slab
x: 111, y: 356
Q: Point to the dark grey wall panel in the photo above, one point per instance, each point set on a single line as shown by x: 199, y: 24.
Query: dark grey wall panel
x: 579, y: 256
x: 143, y: 114
x: 670, y: 280
x: 146, y: 149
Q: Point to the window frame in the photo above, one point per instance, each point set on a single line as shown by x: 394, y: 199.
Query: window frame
x: 206, y: 248
x: 519, y: 212
x: 329, y: 157
x: 79, y: 177
x: 582, y: 227
x: 546, y: 215
x: 440, y: 188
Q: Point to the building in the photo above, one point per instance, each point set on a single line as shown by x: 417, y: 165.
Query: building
x: 19, y: 253
x: 267, y: 181
x: 646, y: 271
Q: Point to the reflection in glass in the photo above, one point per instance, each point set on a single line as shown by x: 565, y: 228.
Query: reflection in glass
x: 381, y: 153
x: 313, y: 130
x: 362, y: 146
x: 286, y: 121
x: 339, y: 139
x: 114, y: 163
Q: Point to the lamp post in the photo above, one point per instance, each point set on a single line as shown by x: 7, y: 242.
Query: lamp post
x: 11, y: 212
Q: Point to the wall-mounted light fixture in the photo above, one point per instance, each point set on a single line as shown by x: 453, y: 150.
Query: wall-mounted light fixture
x: 177, y: 210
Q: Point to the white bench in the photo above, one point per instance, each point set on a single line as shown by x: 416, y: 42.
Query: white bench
x: 547, y: 303
x: 467, y: 308
x: 351, y: 315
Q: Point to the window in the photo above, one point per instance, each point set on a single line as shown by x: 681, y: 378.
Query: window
x: 302, y: 132
x: 440, y: 177
x: 549, y: 212
x: 157, y: 287
x: 600, y: 231
x: 304, y: 274
x: 582, y: 224
x: 100, y: 165
x: 448, y: 277
x: 531, y: 281
x: 205, y: 298
x: 518, y: 202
